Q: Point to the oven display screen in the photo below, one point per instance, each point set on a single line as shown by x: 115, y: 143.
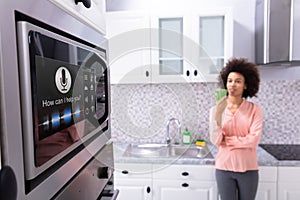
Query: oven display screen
x: 69, y: 86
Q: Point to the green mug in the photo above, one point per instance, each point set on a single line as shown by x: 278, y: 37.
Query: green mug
x: 220, y: 93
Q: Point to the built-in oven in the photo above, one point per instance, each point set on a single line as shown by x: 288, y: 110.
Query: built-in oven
x: 54, y: 99
x: 96, y: 176
x: 64, y: 97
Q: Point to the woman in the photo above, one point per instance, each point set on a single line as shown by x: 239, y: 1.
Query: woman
x: 235, y: 128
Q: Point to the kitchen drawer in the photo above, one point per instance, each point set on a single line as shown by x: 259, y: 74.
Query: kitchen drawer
x: 267, y: 174
x: 133, y: 170
x: 184, y: 172
x: 289, y: 174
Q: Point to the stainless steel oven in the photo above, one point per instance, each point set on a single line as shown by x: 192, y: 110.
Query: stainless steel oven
x: 55, y: 102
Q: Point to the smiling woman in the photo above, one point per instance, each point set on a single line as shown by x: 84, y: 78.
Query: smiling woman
x: 235, y: 127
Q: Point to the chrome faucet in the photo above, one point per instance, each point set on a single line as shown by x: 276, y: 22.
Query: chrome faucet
x: 168, y: 138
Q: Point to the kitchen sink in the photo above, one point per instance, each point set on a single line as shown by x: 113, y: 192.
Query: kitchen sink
x: 164, y: 150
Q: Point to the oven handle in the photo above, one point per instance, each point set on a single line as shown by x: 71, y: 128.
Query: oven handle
x: 115, y: 195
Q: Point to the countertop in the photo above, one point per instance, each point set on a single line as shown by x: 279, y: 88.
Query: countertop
x: 264, y: 158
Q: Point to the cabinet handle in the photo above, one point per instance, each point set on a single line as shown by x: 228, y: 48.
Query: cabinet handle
x: 125, y: 172
x: 148, y: 189
x: 86, y: 3
x: 147, y: 73
x: 195, y: 72
x: 187, y: 73
x: 185, y: 174
x: 185, y: 185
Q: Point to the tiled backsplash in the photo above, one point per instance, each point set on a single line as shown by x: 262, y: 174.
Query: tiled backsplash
x: 140, y: 111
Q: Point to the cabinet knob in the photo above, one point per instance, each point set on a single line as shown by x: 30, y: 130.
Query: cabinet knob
x: 86, y: 3
x: 195, y: 72
x: 148, y: 189
x: 185, y: 174
x: 185, y: 185
x: 125, y: 172
x: 187, y: 73
x: 147, y: 73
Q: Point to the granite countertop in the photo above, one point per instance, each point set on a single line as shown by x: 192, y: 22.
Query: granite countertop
x: 264, y: 158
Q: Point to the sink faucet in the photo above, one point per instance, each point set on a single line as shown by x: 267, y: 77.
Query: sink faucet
x: 168, y: 138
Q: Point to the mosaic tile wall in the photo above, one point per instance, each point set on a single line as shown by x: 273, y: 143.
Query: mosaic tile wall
x: 140, y: 112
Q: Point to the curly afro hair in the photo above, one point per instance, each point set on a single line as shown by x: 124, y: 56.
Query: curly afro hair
x: 247, y: 69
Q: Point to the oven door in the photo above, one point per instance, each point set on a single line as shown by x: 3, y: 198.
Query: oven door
x: 65, y: 93
x: 95, y: 181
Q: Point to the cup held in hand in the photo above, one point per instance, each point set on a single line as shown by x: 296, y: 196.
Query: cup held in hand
x: 220, y: 93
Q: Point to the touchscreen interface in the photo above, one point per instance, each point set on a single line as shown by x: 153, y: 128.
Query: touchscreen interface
x: 69, y: 86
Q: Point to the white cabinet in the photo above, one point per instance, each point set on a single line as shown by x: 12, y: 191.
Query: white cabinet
x: 204, y: 42
x: 267, y: 186
x: 168, y: 47
x: 92, y: 15
x: 184, y: 182
x: 128, y: 34
x: 214, y: 36
x: 134, y: 181
x: 288, y: 183
x: 164, y: 182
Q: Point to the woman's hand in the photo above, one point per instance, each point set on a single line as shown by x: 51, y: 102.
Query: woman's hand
x: 220, y: 107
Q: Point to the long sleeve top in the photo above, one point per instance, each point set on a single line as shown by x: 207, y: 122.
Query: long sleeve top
x: 237, y: 138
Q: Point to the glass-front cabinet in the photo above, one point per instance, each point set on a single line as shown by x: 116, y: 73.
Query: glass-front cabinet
x: 176, y: 47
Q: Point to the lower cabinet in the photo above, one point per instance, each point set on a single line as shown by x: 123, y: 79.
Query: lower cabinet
x: 134, y: 189
x: 288, y: 183
x: 179, y: 182
x: 134, y: 181
x: 193, y: 182
x: 165, y: 182
x: 178, y: 190
x: 267, y: 186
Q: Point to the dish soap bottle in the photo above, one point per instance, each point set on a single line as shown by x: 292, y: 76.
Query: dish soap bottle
x: 186, y: 137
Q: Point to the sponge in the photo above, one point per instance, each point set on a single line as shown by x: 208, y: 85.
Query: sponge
x: 200, y: 143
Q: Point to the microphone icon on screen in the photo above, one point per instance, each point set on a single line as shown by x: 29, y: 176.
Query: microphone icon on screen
x: 63, y: 80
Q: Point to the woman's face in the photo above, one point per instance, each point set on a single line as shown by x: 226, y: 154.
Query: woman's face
x: 235, y: 84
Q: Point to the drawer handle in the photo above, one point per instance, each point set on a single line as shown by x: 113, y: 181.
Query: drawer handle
x: 185, y: 174
x: 185, y: 185
x: 86, y: 3
x: 125, y: 172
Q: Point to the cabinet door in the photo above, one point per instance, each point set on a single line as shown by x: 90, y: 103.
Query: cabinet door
x: 167, y: 47
x: 93, y: 16
x: 266, y: 191
x: 267, y: 186
x: 288, y: 183
x: 215, y: 40
x: 134, y: 189
x: 178, y: 190
x: 129, y: 47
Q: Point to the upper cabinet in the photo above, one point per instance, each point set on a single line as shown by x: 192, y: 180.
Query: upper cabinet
x: 90, y: 12
x: 172, y: 47
x: 128, y: 36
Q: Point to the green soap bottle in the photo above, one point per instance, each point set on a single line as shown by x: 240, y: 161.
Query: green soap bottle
x: 186, y: 137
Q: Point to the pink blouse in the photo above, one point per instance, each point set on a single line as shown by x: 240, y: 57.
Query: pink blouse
x: 241, y: 132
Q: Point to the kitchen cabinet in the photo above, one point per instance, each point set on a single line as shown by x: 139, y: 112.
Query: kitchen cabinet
x: 184, y: 182
x: 92, y: 14
x: 288, y: 183
x: 204, y: 42
x: 129, y: 47
x: 164, y: 182
x: 169, y: 47
x: 267, y: 186
x: 134, y: 181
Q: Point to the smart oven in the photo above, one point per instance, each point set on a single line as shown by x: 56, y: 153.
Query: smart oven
x: 64, y: 96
